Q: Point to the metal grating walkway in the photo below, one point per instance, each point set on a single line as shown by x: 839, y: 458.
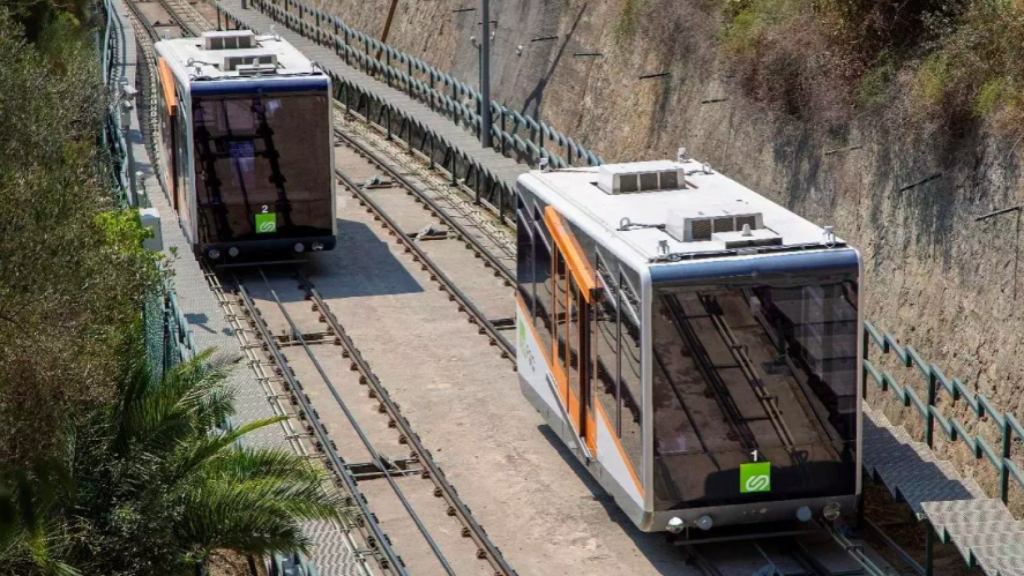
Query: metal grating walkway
x: 981, y: 528
x: 505, y: 169
x: 331, y: 551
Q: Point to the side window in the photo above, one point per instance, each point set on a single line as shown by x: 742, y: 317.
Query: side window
x: 617, y: 347
x: 525, y: 257
x: 544, y: 283
x: 629, y: 373
x: 606, y: 347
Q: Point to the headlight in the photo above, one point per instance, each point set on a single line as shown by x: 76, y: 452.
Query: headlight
x: 705, y: 522
x: 831, y: 511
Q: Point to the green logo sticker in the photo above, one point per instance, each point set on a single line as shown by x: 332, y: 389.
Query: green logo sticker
x: 755, y: 477
x: 266, y: 223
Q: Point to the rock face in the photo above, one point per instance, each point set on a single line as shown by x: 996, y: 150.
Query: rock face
x: 907, y: 196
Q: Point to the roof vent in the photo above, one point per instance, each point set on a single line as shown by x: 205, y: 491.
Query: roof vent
x: 748, y: 238
x: 685, y: 228
x: 640, y: 177
x: 250, y: 62
x: 256, y: 69
x: 229, y: 40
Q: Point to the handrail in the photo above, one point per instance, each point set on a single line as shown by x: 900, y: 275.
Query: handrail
x: 953, y: 429
x: 440, y: 91
x: 178, y: 342
x: 112, y: 60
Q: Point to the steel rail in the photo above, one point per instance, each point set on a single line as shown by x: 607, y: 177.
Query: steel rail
x: 374, y: 455
x: 486, y: 548
x: 382, y: 130
x: 202, y: 24
x: 153, y: 36
x: 476, y: 315
x: 178, y: 20
x: 490, y: 259
x: 336, y: 463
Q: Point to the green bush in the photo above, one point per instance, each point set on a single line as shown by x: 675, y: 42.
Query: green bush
x: 875, y: 84
x: 827, y: 57
x: 71, y: 284
x: 976, y: 69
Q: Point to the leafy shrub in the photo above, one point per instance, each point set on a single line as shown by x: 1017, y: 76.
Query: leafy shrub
x: 825, y: 57
x: 875, y: 83
x: 70, y: 284
x: 976, y: 68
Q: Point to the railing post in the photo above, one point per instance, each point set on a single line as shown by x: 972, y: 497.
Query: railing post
x: 457, y: 110
x: 1004, y: 469
x: 504, y: 141
x: 501, y: 202
x: 479, y: 184
x: 409, y: 81
x: 366, y: 49
x: 865, y: 342
x: 929, y: 424
x: 929, y: 549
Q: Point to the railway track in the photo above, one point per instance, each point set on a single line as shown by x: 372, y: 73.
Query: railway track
x: 820, y: 553
x: 473, y: 222
x: 313, y: 380
x: 488, y: 325
x: 414, y: 507
x: 190, y: 20
x: 826, y: 553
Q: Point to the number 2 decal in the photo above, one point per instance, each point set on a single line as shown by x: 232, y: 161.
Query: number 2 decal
x: 265, y: 209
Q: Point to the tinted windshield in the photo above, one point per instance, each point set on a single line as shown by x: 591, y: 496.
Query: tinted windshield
x: 769, y: 367
x: 262, y: 160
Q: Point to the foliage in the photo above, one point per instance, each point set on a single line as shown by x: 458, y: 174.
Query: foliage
x: 74, y: 274
x: 976, y: 68
x: 159, y: 481
x: 780, y: 53
x: 875, y: 83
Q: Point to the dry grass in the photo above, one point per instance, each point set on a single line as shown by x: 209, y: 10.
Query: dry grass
x: 947, y: 61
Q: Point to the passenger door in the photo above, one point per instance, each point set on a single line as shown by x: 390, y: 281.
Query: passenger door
x: 575, y: 296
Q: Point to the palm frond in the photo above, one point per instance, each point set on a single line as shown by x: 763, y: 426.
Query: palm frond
x: 194, y: 454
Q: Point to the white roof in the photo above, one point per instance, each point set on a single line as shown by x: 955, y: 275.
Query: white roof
x: 575, y: 194
x: 210, y: 63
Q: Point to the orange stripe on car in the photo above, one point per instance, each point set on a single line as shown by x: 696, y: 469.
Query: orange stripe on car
x: 577, y: 262
x: 167, y: 83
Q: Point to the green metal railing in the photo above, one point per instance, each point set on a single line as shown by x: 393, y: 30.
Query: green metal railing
x: 936, y: 382
x: 517, y: 135
x: 169, y: 340
x: 112, y: 57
